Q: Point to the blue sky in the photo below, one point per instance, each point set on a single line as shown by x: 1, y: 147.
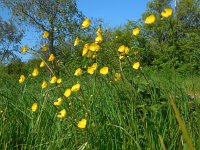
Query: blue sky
x: 112, y: 12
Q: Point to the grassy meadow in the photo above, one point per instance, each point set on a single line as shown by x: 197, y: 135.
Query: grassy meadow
x: 133, y: 112
x: 104, y: 96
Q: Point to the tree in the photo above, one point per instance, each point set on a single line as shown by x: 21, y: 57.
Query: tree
x: 10, y: 37
x: 60, y: 18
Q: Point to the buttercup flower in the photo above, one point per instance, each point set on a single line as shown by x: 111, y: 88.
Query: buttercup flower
x: 150, y: 19
x: 78, y: 72
x: 62, y: 114
x: 35, y: 72
x: 85, y: 49
x: 67, y: 92
x: 99, y: 39
x: 94, y: 47
x: 59, y: 81
x: 82, y: 123
x: 24, y: 49
x: 34, y: 107
x: 167, y: 12
x: 76, y: 42
x: 44, y: 84
x: 136, y: 31
x: 99, y: 31
x: 44, y: 48
x: 89, y: 54
x: 117, y: 76
x: 76, y: 87
x: 136, y: 65
x: 51, y: 57
x: 45, y: 34
x: 42, y: 64
x: 53, y: 79
x: 104, y: 70
x: 86, y: 23
x: 121, y: 49
x: 90, y: 70
x: 58, y: 102
x: 21, y: 79
x: 94, y: 65
x: 126, y: 50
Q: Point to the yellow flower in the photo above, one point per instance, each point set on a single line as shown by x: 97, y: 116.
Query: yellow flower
x: 94, y: 47
x: 150, y: 19
x: 45, y: 34
x: 76, y: 42
x: 42, y: 64
x: 76, y: 87
x: 89, y: 54
x: 53, y: 79
x: 59, y: 81
x: 62, y: 114
x: 34, y: 107
x: 94, y: 65
x: 99, y: 39
x: 117, y: 76
x: 78, y: 72
x: 86, y: 23
x: 121, y: 57
x: 24, y: 49
x: 51, y: 57
x: 136, y: 65
x: 94, y: 56
x: 35, y: 72
x: 85, y: 49
x: 44, y: 48
x: 121, y: 49
x: 126, y: 50
x: 136, y: 31
x: 21, y: 79
x: 44, y: 84
x: 99, y: 31
x: 67, y: 92
x: 167, y: 12
x: 90, y: 70
x: 82, y: 123
x: 104, y: 70
x: 58, y: 102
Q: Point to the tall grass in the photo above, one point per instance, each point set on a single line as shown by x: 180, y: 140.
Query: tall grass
x: 127, y: 114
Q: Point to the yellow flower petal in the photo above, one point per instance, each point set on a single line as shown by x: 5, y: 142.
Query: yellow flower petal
x: 86, y: 23
x: 53, y: 79
x: 35, y: 72
x: 42, y: 64
x: 150, y: 19
x: 21, y: 79
x: 99, y: 39
x: 58, y: 102
x: 62, y: 114
x: 34, y: 107
x: 82, y: 123
x: 76, y: 87
x: 90, y: 70
x: 94, y: 47
x: 99, y: 31
x: 117, y: 76
x: 78, y: 72
x: 24, y: 49
x: 121, y: 49
x: 167, y: 12
x: 44, y: 84
x: 85, y: 49
x: 51, y: 57
x: 104, y: 70
x: 136, y: 31
x: 45, y: 34
x: 44, y: 48
x: 59, y: 81
x: 136, y: 65
x: 67, y: 92
x: 76, y: 42
x: 94, y: 65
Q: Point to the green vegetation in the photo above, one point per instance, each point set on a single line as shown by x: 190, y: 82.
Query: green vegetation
x: 132, y: 87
